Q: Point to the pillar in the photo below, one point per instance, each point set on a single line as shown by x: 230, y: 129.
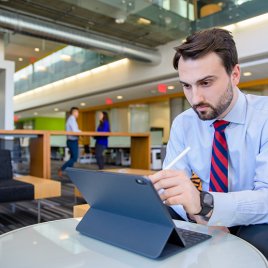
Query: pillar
x: 7, y: 69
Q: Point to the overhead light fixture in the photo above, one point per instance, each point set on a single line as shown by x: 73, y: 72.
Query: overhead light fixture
x: 56, y: 109
x: 247, y: 74
x: 66, y: 57
x: 37, y: 49
x: 121, y: 17
x: 170, y: 87
x: 35, y: 113
x: 24, y: 77
x: 83, y: 104
x: 119, y: 97
x: 143, y: 21
x: 20, y: 59
x: 120, y: 20
x: 41, y: 68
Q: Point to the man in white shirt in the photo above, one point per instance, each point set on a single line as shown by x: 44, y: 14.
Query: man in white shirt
x: 72, y: 141
x: 228, y: 135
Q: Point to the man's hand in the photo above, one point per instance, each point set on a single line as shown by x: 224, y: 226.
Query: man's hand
x: 178, y: 190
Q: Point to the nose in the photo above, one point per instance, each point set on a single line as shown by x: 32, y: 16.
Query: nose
x: 197, y: 96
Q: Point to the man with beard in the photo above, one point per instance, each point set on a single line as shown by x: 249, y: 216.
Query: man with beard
x: 227, y: 131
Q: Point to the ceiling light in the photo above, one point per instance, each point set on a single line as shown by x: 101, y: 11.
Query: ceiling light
x: 143, y: 21
x: 83, y: 104
x: 170, y: 87
x: 37, y: 49
x: 20, y: 59
x: 119, y: 97
x: 41, y: 68
x: 35, y: 113
x: 247, y: 74
x: 65, y: 57
x: 120, y: 20
x: 56, y: 109
x: 24, y: 77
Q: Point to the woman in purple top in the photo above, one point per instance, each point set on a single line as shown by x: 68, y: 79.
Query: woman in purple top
x: 102, y: 141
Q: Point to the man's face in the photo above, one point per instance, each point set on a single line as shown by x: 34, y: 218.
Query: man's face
x: 207, y: 86
x: 75, y: 113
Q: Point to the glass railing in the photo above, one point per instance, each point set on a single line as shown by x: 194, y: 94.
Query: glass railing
x: 227, y: 12
x: 59, y: 65
x: 167, y: 20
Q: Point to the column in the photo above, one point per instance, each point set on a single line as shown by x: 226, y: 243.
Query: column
x: 176, y: 107
x: 7, y: 69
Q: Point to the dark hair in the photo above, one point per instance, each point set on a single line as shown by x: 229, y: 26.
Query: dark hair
x: 105, y: 118
x: 204, y: 42
x: 74, y: 109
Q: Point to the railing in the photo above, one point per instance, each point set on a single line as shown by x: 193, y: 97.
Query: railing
x: 39, y: 146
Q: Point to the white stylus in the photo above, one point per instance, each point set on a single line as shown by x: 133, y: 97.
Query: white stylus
x: 179, y: 157
x: 172, y: 163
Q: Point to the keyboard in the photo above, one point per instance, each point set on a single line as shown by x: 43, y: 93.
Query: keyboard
x: 192, y: 238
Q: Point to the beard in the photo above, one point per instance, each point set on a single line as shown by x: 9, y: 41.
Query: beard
x: 213, y: 112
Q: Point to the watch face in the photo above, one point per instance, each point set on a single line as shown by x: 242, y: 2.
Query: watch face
x: 208, y: 199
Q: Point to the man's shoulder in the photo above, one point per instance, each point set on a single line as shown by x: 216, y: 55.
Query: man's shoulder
x: 258, y: 103
x: 185, y: 116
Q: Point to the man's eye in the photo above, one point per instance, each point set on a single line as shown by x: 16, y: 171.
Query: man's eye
x: 206, y: 83
x: 185, y: 86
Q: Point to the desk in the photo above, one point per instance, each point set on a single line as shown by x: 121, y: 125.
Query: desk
x: 58, y: 244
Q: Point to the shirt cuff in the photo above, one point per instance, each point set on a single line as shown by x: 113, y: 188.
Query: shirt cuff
x: 224, y: 210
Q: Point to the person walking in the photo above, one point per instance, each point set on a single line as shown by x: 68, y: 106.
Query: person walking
x: 72, y: 141
x: 102, y: 141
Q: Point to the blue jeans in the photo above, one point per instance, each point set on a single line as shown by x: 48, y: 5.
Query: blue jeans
x: 73, y: 148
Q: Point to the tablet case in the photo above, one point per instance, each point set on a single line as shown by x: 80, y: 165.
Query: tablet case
x: 126, y: 211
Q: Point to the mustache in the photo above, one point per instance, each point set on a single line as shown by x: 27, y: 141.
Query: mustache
x: 202, y: 104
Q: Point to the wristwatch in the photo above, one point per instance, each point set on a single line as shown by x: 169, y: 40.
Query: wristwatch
x: 207, y: 204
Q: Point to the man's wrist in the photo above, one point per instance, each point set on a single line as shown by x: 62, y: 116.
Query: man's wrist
x: 207, y: 205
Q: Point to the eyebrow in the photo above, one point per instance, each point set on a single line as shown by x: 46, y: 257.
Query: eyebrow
x: 200, y: 80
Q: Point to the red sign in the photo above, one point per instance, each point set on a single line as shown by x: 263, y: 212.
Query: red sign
x: 162, y: 88
x: 109, y: 101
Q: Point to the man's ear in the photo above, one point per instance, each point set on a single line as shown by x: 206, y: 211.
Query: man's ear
x: 235, y: 76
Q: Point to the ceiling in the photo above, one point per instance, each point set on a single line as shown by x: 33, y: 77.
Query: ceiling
x: 100, y: 16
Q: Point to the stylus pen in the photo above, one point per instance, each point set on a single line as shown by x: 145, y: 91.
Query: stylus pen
x: 179, y: 157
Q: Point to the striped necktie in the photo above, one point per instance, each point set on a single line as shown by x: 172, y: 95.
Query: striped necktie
x: 219, y: 159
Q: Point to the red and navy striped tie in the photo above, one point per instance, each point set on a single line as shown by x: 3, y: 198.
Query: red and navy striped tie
x: 219, y: 159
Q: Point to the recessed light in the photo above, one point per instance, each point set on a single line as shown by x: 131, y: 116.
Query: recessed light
x: 56, y: 109
x: 37, y: 49
x: 24, y: 77
x: 66, y: 57
x: 83, y: 104
x: 119, y: 97
x: 20, y: 59
x: 41, y: 68
x: 143, y: 21
x: 247, y: 74
x: 35, y: 113
x: 170, y: 87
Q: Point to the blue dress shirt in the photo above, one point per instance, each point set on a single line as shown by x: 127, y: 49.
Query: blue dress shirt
x: 247, y: 137
x: 71, y: 125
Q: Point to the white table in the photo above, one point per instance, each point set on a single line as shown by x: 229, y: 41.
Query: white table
x: 58, y: 244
